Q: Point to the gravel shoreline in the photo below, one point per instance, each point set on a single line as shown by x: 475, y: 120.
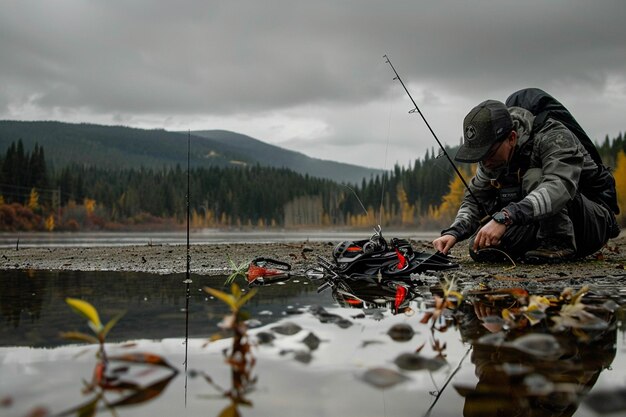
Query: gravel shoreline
x: 215, y: 260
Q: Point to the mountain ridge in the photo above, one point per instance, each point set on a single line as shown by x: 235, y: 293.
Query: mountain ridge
x: 121, y: 147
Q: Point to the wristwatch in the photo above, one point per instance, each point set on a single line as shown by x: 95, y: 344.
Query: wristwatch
x: 503, y: 217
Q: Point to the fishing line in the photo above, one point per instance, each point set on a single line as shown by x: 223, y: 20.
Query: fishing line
x: 382, y: 192
x: 357, y: 198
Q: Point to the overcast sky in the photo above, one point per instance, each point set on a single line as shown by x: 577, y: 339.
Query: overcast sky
x: 310, y: 75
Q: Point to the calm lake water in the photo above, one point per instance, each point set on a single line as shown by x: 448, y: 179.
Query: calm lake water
x: 210, y: 236
x: 323, y: 359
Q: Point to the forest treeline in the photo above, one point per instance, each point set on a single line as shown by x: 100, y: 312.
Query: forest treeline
x: 425, y: 195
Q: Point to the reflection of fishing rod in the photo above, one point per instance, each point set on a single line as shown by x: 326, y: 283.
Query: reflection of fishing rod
x: 439, y: 392
x: 416, y: 109
x: 187, y: 280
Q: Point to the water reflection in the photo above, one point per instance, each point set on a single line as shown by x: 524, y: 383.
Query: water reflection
x: 541, y: 368
x: 33, y: 309
x: 534, y: 354
x: 394, y: 352
x: 129, y: 379
x: 21, y: 297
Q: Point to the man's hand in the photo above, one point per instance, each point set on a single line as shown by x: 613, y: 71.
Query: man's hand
x: 444, y: 243
x: 482, y: 312
x: 489, y: 235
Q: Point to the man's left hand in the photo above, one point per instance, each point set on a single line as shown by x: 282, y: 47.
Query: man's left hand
x: 489, y: 235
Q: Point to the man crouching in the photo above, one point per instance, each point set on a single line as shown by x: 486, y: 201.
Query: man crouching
x: 547, y: 194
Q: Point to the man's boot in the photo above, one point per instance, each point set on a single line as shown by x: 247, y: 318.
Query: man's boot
x: 550, y: 253
x: 556, y: 241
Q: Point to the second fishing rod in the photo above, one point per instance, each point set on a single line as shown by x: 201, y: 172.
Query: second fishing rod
x: 443, y: 149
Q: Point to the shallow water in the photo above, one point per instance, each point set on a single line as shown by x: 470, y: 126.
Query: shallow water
x: 353, y: 354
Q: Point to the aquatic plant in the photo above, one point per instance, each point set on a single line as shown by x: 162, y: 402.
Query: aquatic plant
x: 120, y: 380
x: 451, y: 300
x: 240, y: 358
x: 88, y: 311
x: 238, y: 271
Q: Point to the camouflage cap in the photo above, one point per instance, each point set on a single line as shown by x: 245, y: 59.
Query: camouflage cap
x: 484, y: 125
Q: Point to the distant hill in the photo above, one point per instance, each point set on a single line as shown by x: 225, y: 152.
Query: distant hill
x: 271, y: 155
x: 124, y: 147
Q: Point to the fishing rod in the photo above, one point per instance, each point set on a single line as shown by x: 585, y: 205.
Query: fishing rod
x: 187, y: 280
x: 443, y: 149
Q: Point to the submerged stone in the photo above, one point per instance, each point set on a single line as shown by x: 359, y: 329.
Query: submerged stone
x: 417, y: 362
x: 544, y: 346
x: 312, y: 341
x: 383, y: 377
x: 537, y: 384
x: 286, y: 329
x: 401, y: 332
x: 328, y: 318
x: 605, y: 402
x: 303, y: 356
x: 264, y: 338
x: 343, y: 323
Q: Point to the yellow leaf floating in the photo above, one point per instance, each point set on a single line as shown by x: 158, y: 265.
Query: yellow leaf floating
x: 86, y: 310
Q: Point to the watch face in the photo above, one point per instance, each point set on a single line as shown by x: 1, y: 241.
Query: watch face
x: 499, y: 217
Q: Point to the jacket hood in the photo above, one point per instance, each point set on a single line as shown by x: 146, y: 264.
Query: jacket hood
x: 522, y: 123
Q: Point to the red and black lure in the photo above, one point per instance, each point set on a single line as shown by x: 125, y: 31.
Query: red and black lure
x: 266, y: 270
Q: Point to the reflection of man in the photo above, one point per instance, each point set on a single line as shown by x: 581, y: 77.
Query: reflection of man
x: 513, y: 382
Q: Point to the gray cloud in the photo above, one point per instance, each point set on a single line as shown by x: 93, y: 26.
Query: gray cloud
x: 145, y: 61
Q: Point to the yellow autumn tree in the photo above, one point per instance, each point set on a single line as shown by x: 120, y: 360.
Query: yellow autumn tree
x: 452, y: 201
x: 90, y: 205
x: 49, y: 223
x: 33, y: 200
x: 196, y: 220
x: 620, y: 186
x: 407, y: 210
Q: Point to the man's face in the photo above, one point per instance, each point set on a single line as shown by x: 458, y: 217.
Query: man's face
x: 499, y: 154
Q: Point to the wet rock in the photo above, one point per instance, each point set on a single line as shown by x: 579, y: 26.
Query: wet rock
x: 317, y: 309
x: 417, y: 362
x: 401, y: 332
x: 578, y: 318
x: 515, y: 369
x: 544, y: 346
x: 343, y: 323
x: 312, y: 341
x: 286, y: 329
x: 366, y: 343
x: 303, y: 356
x: 383, y: 378
x: 264, y: 338
x: 252, y: 323
x: 537, y: 384
x: 328, y: 318
x: 610, y: 305
x: 607, y: 402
